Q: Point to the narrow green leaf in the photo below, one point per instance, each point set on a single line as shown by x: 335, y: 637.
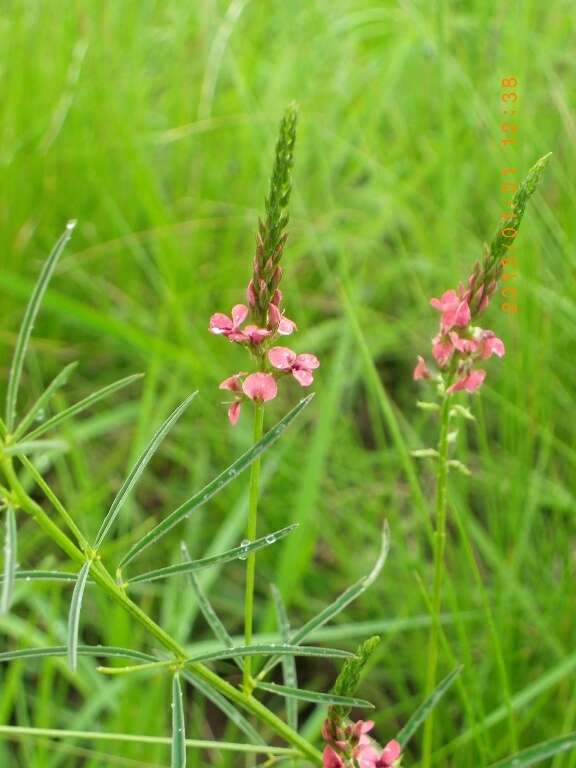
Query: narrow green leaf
x: 28, y: 323
x: 330, y: 699
x: 212, y: 618
x: 216, y: 485
x: 542, y: 751
x: 236, y: 553
x: 74, y: 615
x: 26, y: 447
x: 225, y: 706
x: 10, y: 558
x: 424, y: 709
x: 270, y: 648
x: 42, y: 576
x: 104, y: 651
x: 42, y: 402
x: 344, y: 600
x: 289, y: 674
x: 178, y: 732
x: 139, y: 467
x: 82, y: 405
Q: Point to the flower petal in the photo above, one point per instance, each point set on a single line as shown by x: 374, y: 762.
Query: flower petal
x: 391, y: 751
x: 282, y: 358
x: 239, y: 314
x: 234, y: 412
x: 421, y: 370
x: 220, y: 323
x: 303, y: 377
x: 286, y: 327
x: 307, y: 361
x: 330, y: 759
x: 260, y: 386
x: 233, y: 383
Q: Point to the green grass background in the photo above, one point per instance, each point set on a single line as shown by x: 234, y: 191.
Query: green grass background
x: 153, y: 124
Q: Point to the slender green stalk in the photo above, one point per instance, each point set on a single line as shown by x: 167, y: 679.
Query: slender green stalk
x: 251, y: 533
x: 102, y: 577
x: 439, y: 549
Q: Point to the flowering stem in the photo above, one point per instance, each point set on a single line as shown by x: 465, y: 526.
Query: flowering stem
x: 439, y: 549
x: 102, y: 577
x: 251, y: 532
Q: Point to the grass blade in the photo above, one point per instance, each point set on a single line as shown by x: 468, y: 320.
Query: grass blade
x: 216, y: 485
x: 289, y: 674
x: 210, y: 615
x: 10, y: 557
x: 139, y: 467
x: 178, y: 733
x: 35, y: 446
x: 28, y: 323
x: 225, y: 706
x: 236, y: 553
x: 270, y: 648
x: 297, y: 694
x: 542, y: 751
x: 74, y: 616
x: 82, y: 405
x: 104, y: 651
x: 347, y: 597
x: 57, y: 383
x: 424, y: 709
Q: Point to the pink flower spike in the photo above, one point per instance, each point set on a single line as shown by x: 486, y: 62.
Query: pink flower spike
x: 470, y: 382
x: 260, y: 387
x: 390, y: 754
x: 455, y: 310
x: 421, y: 370
x: 234, y: 412
x: 331, y: 760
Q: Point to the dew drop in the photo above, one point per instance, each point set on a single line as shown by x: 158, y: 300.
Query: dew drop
x: 270, y: 539
x: 41, y: 415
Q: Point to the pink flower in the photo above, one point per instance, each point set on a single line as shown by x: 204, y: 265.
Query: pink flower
x: 331, y: 760
x: 256, y: 335
x: 442, y: 349
x: 222, y: 325
x: 470, y: 381
x: 278, y: 322
x: 455, y: 310
x: 366, y: 756
x: 490, y: 345
x: 421, y: 371
x: 466, y: 346
x: 300, y: 366
x: 260, y: 387
x: 390, y: 754
x: 234, y: 384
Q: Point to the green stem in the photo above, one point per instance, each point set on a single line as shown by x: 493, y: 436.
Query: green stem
x: 439, y: 550
x: 101, y: 576
x: 251, y: 533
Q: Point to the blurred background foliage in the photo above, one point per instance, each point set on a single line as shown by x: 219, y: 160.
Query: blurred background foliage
x: 153, y: 124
